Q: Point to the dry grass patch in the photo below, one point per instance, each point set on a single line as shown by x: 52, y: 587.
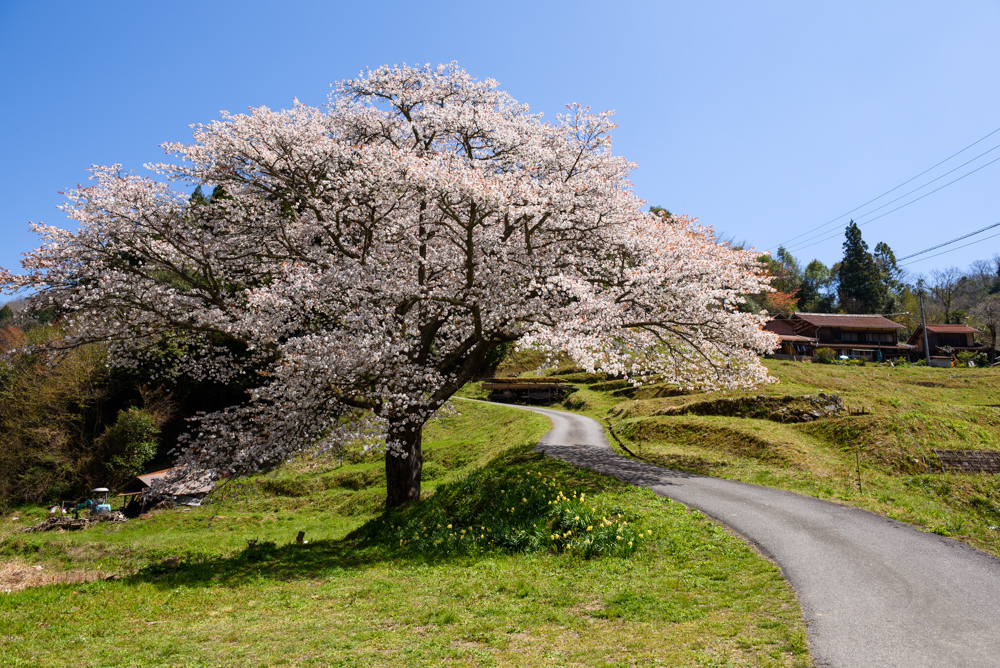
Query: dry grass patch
x: 16, y: 574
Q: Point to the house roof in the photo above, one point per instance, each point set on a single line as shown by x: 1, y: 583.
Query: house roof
x: 951, y: 329
x: 195, y: 482
x: 942, y: 329
x: 795, y: 338
x: 148, y: 478
x: 856, y: 320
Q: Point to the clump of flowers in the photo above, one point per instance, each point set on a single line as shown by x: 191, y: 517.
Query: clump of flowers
x: 483, y: 512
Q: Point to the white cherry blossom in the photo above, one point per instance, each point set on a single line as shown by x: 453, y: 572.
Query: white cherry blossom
x: 368, y: 254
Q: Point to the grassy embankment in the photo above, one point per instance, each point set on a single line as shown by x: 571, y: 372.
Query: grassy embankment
x: 909, y: 412
x: 416, y: 587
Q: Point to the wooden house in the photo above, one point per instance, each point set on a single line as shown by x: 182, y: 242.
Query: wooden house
x: 960, y: 338
x: 856, y: 336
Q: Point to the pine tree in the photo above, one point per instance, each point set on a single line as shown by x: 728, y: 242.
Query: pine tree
x: 198, y: 197
x: 859, y: 278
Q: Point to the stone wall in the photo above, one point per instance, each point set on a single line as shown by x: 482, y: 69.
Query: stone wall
x: 789, y: 408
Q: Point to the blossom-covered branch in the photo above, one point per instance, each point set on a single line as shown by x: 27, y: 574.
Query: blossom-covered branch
x: 363, y: 258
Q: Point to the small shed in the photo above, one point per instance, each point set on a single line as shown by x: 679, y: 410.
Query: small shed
x: 175, y: 484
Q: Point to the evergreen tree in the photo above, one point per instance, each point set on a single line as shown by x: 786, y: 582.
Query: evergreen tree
x: 6, y: 313
x: 859, y: 278
x: 198, y: 197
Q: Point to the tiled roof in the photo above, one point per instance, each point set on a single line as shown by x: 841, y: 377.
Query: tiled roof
x: 860, y: 321
x: 952, y: 329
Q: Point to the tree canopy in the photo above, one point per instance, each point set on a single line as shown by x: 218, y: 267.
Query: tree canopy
x: 360, y: 260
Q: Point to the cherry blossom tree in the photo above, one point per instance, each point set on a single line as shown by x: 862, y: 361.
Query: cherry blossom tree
x: 361, y: 259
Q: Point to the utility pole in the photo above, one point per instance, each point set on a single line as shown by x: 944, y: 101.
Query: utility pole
x: 923, y: 323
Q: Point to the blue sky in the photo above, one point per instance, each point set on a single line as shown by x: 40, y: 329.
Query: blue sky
x: 763, y: 119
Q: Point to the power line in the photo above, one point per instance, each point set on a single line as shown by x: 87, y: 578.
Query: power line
x: 833, y: 220
x: 955, y: 248
x: 917, y: 199
x: 938, y: 178
x: 948, y: 243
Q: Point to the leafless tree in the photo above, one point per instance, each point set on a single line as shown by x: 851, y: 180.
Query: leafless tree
x: 984, y: 275
x: 987, y: 314
x: 945, y: 286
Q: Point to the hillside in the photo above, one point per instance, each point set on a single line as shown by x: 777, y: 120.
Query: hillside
x: 907, y: 413
x: 546, y: 581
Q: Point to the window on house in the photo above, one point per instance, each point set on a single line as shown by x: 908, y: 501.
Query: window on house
x: 952, y: 340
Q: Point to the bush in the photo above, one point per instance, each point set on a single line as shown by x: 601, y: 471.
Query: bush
x: 132, y: 439
x: 970, y: 358
x: 825, y: 355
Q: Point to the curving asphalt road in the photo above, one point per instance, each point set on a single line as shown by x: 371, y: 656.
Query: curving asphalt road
x: 874, y: 592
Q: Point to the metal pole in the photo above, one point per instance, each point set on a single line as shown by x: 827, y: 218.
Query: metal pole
x: 923, y: 324
x: 857, y: 458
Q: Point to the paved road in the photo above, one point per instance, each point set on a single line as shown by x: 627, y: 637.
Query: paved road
x: 874, y: 592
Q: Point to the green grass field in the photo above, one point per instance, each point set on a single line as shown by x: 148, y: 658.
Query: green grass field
x: 413, y: 587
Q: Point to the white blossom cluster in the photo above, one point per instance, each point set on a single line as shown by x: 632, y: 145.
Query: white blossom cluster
x: 366, y: 255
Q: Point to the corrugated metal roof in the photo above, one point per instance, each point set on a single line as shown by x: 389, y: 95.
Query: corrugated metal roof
x: 192, y: 484
x: 860, y: 321
x: 148, y: 478
x: 196, y: 482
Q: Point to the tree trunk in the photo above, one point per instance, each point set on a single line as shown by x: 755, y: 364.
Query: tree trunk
x: 402, y: 474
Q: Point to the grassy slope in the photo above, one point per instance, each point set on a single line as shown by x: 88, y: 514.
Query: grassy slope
x: 691, y: 595
x: 910, y: 411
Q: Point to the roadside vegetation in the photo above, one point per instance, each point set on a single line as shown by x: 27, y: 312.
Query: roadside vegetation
x: 908, y: 411
x: 70, y: 422
x: 511, y: 558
